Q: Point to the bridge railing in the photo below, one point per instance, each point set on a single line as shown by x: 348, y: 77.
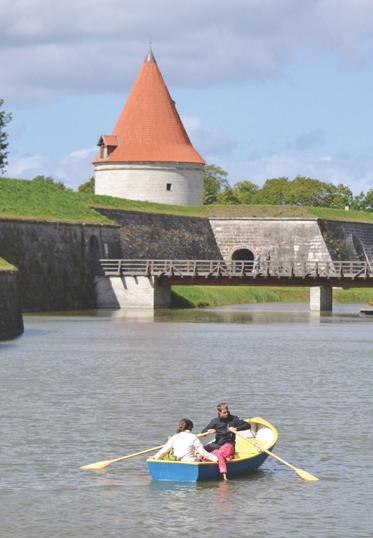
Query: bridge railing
x: 236, y: 268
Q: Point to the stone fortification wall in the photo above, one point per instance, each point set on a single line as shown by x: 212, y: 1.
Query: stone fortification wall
x: 56, y: 261
x: 348, y: 240
x: 282, y: 239
x: 146, y: 235
x: 11, y: 324
x: 164, y: 183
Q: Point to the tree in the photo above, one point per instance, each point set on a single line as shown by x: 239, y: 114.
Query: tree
x: 227, y: 196
x: 369, y: 201
x: 214, y: 183
x: 358, y: 201
x: 274, y: 191
x: 50, y: 182
x: 340, y: 196
x: 88, y: 186
x: 304, y: 191
x: 244, y: 192
x: 363, y: 201
x: 5, y: 118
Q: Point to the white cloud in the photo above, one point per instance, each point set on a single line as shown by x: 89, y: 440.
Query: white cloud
x: 209, y: 143
x: 48, y: 49
x: 356, y: 171
x: 72, y: 169
x: 81, y: 154
x: 23, y: 166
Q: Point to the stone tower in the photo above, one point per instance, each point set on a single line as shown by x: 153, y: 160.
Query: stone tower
x: 149, y: 155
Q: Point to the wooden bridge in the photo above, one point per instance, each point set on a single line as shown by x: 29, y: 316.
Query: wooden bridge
x: 350, y: 273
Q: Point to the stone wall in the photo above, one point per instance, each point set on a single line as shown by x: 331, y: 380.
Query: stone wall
x: 283, y: 239
x: 56, y: 261
x: 11, y: 324
x: 348, y: 240
x: 151, y: 236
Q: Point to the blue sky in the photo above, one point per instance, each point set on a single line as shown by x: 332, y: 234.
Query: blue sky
x: 265, y: 88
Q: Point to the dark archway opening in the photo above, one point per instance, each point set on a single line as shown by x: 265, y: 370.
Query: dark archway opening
x: 243, y: 254
x: 94, y: 248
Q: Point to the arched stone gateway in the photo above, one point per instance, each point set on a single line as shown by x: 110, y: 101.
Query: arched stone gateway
x: 242, y: 254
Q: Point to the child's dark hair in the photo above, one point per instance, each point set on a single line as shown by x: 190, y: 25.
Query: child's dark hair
x: 184, y: 424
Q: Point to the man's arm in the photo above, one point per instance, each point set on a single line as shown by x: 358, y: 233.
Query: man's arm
x: 210, y: 426
x: 240, y: 424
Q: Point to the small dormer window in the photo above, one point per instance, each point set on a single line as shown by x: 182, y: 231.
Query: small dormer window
x: 107, y: 144
x: 109, y: 150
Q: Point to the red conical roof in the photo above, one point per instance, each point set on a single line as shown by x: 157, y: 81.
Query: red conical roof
x: 149, y: 127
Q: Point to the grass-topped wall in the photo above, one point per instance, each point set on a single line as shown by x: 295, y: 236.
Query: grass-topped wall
x: 30, y: 200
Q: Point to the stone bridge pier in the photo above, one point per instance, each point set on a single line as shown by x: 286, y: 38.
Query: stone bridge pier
x: 132, y: 292
x: 321, y: 298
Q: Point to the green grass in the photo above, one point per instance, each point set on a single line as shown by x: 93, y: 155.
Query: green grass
x: 6, y: 266
x: 200, y: 296
x: 26, y: 200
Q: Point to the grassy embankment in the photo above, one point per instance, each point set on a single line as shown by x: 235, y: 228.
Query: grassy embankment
x: 25, y: 200
x: 199, y: 296
x: 6, y: 266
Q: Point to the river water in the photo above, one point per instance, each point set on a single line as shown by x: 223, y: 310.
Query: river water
x: 78, y: 388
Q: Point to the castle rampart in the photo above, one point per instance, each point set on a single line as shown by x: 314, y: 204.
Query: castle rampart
x: 11, y: 324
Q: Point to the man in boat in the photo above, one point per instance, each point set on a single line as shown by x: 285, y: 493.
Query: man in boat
x: 225, y: 427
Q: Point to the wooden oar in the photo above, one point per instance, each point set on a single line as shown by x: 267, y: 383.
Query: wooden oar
x: 99, y: 465
x: 301, y: 472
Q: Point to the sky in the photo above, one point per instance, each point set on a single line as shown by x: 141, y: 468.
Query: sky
x: 265, y: 88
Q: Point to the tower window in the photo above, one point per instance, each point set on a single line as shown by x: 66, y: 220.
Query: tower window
x: 169, y: 186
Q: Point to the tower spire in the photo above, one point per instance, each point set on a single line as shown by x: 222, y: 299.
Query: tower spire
x: 150, y: 56
x: 149, y: 155
x: 149, y: 128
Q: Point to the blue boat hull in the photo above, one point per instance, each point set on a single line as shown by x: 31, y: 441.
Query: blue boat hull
x: 193, y: 472
x: 246, y: 461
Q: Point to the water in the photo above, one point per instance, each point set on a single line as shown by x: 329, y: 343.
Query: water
x: 76, y: 389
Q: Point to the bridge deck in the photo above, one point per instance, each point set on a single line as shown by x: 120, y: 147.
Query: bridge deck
x: 219, y: 272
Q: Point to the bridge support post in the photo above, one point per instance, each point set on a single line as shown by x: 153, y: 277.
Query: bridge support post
x: 132, y: 292
x: 321, y: 298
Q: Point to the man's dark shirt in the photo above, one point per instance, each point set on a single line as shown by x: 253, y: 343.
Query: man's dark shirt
x: 222, y: 434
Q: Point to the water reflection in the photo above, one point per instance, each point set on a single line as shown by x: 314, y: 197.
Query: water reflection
x: 264, y: 313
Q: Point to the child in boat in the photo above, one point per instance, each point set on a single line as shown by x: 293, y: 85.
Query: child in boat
x: 185, y: 445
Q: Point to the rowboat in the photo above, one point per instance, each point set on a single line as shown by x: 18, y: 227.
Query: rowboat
x: 248, y: 457
x: 366, y: 312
